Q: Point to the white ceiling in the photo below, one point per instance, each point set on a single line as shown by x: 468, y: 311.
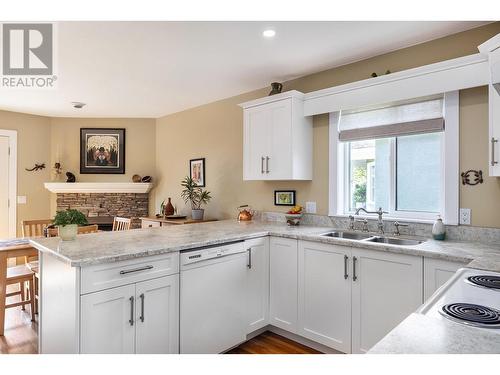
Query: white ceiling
x: 150, y: 69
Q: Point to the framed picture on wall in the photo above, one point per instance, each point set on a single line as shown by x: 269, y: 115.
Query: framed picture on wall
x: 102, y: 151
x: 284, y: 198
x: 197, y: 171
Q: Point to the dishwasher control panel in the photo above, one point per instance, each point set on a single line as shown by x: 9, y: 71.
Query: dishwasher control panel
x: 198, y: 255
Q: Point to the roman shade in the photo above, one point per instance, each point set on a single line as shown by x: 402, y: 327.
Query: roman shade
x: 392, y: 120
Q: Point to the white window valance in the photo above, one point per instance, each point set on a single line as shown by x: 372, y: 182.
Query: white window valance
x: 424, y: 115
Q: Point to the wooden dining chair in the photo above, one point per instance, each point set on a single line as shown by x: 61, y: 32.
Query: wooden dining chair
x: 88, y: 229
x: 35, y: 228
x: 21, y: 275
x: 121, y: 223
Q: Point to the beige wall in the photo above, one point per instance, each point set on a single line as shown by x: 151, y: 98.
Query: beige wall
x: 139, y: 146
x: 214, y: 131
x: 40, y: 138
x: 33, y: 146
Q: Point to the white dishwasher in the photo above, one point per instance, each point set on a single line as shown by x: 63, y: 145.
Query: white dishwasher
x: 212, y: 298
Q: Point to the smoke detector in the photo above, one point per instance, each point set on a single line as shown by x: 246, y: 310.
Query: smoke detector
x: 78, y: 105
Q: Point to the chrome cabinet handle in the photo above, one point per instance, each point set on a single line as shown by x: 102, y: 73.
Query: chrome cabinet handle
x: 131, y: 320
x: 142, y: 307
x: 249, y: 265
x: 354, y: 277
x: 493, y: 141
x: 124, y: 272
x: 346, y: 275
x: 262, y: 164
x: 267, y: 164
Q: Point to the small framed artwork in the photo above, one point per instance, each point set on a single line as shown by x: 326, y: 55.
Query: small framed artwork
x: 197, y: 171
x: 102, y: 151
x: 284, y: 198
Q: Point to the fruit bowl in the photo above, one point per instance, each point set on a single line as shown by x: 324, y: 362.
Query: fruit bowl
x: 293, y: 219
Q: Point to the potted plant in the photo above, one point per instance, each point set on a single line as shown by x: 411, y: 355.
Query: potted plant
x: 196, y: 196
x: 68, y: 222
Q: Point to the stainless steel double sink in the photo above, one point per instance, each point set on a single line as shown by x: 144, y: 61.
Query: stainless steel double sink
x: 366, y: 237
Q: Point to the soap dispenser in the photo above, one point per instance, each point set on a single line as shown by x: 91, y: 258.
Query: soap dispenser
x: 438, y: 229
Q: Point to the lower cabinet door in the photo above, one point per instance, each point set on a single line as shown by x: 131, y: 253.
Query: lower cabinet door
x: 108, y: 321
x: 436, y: 273
x: 257, y: 302
x: 325, y: 294
x: 157, y: 316
x: 386, y: 288
x: 283, y: 283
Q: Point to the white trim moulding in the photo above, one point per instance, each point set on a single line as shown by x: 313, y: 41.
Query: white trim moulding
x: 98, y: 187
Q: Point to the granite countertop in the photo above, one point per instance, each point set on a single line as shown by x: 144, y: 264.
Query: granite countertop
x: 105, y: 247
x: 421, y: 334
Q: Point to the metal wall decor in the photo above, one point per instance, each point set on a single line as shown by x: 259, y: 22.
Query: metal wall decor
x: 37, y: 167
x: 472, y: 177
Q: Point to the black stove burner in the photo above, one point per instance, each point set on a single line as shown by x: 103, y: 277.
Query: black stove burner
x: 476, y: 315
x: 486, y: 281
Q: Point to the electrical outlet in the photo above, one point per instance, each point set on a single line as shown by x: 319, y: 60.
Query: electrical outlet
x: 21, y: 199
x: 311, y: 207
x: 465, y: 216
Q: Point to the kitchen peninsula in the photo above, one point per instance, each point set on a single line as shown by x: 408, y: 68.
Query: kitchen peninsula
x: 126, y: 292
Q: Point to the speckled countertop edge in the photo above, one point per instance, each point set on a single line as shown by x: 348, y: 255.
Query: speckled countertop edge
x: 108, y: 247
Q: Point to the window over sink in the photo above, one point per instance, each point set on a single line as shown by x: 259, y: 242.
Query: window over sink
x: 398, y: 156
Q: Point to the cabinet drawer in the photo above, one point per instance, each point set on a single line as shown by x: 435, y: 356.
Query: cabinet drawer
x: 150, y: 224
x: 110, y: 275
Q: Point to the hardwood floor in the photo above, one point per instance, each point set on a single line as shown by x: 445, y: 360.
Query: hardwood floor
x: 20, y: 336
x: 271, y: 343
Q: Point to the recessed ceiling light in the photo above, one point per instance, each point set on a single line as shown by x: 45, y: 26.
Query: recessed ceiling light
x: 269, y: 33
x: 78, y: 105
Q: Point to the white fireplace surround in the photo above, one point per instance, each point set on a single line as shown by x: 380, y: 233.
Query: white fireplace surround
x: 98, y: 187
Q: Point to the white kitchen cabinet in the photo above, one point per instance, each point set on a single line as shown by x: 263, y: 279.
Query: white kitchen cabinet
x: 324, y: 313
x: 386, y: 288
x: 277, y: 138
x: 257, y: 303
x: 107, y: 321
x: 157, y: 316
x: 437, y: 272
x: 283, y: 283
x: 494, y: 130
x: 134, y: 318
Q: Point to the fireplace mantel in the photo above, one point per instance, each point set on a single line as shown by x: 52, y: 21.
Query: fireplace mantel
x: 98, y: 187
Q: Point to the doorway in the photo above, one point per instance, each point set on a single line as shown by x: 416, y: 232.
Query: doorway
x: 8, y: 183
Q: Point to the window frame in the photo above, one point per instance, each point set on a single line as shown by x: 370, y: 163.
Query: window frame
x: 449, y: 183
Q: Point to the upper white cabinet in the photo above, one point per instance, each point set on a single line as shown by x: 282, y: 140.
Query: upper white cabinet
x: 491, y: 49
x: 283, y: 283
x: 277, y: 138
x: 436, y: 273
x: 257, y: 307
x: 324, y: 309
x: 386, y: 288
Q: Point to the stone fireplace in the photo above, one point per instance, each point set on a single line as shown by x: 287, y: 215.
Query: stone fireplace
x: 101, y: 202
x: 101, y: 206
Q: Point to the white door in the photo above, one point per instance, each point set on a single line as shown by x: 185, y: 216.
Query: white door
x: 4, y: 188
x: 279, y: 158
x: 257, y: 307
x: 256, y: 142
x: 157, y: 316
x: 386, y: 288
x: 325, y: 294
x: 108, y: 321
x: 283, y: 283
x: 436, y: 273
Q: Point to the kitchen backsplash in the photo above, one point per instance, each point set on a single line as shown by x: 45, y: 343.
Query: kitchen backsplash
x: 453, y: 232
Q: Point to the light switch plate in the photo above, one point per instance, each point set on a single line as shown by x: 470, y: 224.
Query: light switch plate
x: 311, y: 207
x: 465, y: 216
x: 21, y: 199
